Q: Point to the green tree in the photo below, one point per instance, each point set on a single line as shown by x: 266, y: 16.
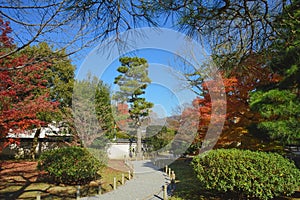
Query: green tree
x: 103, y: 107
x: 235, y: 29
x: 59, y: 73
x: 279, y: 103
x: 133, y: 81
x: 159, y: 136
x: 92, y: 109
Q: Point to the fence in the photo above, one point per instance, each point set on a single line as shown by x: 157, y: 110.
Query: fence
x: 164, y: 192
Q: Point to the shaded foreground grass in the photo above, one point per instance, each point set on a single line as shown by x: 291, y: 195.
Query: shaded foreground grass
x: 21, y: 180
x: 189, y: 188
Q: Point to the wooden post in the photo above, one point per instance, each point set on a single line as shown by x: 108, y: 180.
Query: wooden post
x: 115, y: 183
x: 165, y: 193
x: 78, y: 193
x: 173, y: 176
x: 99, y: 189
x: 166, y: 169
x: 170, y: 172
x: 129, y: 175
x: 38, y: 196
x: 123, y: 181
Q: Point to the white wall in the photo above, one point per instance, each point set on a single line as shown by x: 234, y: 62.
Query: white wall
x: 119, y: 150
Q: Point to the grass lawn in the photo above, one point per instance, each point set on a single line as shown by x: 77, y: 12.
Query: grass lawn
x: 21, y: 180
x: 188, y: 187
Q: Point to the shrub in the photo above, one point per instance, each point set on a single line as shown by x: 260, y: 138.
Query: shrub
x: 247, y: 173
x: 70, y: 165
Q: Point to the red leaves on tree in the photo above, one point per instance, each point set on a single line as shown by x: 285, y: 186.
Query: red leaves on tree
x: 237, y: 86
x: 5, y: 40
x: 122, y: 108
x: 212, y: 112
x: 122, y: 116
x: 23, y: 92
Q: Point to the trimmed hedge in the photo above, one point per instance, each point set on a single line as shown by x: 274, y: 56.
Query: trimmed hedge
x: 70, y: 165
x: 246, y: 173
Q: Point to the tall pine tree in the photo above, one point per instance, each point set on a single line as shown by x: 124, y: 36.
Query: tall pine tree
x: 133, y: 81
x: 279, y: 103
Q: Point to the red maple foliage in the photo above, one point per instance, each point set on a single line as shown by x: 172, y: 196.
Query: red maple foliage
x: 23, y: 92
x: 206, y: 105
x: 5, y: 40
x: 122, y: 108
x: 237, y: 86
x: 122, y: 116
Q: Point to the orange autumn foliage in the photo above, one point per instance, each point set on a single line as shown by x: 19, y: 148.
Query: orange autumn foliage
x: 237, y: 86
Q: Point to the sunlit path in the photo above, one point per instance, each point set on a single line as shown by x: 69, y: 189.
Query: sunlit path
x: 146, y: 184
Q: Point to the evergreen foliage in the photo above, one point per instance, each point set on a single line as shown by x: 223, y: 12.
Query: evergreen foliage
x: 279, y: 103
x: 70, y: 165
x: 92, y: 109
x: 133, y: 81
x: 59, y: 72
x: 247, y: 173
x: 159, y: 136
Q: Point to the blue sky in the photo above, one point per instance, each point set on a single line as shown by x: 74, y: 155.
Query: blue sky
x: 167, y: 90
x: 162, y: 50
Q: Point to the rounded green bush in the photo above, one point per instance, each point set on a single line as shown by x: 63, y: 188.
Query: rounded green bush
x: 246, y: 173
x: 70, y: 165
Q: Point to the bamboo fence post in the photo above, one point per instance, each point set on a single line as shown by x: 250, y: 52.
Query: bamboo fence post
x: 78, y: 192
x: 165, y: 193
x: 123, y: 180
x: 38, y: 196
x: 129, y: 175
x: 99, y: 189
x: 115, y: 183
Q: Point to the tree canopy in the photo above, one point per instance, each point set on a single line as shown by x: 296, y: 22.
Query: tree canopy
x: 25, y: 101
x: 133, y: 81
x: 255, y: 43
x: 279, y: 103
x: 92, y: 110
x: 234, y: 29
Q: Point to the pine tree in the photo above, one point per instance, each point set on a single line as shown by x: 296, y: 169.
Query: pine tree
x: 279, y: 103
x: 133, y: 81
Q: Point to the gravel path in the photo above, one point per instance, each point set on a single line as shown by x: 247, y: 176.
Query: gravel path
x: 147, y: 184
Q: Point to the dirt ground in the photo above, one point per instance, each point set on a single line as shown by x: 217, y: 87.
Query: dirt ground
x: 19, y: 171
x: 22, y: 180
x: 118, y: 165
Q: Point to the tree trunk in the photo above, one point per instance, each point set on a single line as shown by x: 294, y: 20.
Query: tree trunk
x: 139, y: 143
x: 35, y: 143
